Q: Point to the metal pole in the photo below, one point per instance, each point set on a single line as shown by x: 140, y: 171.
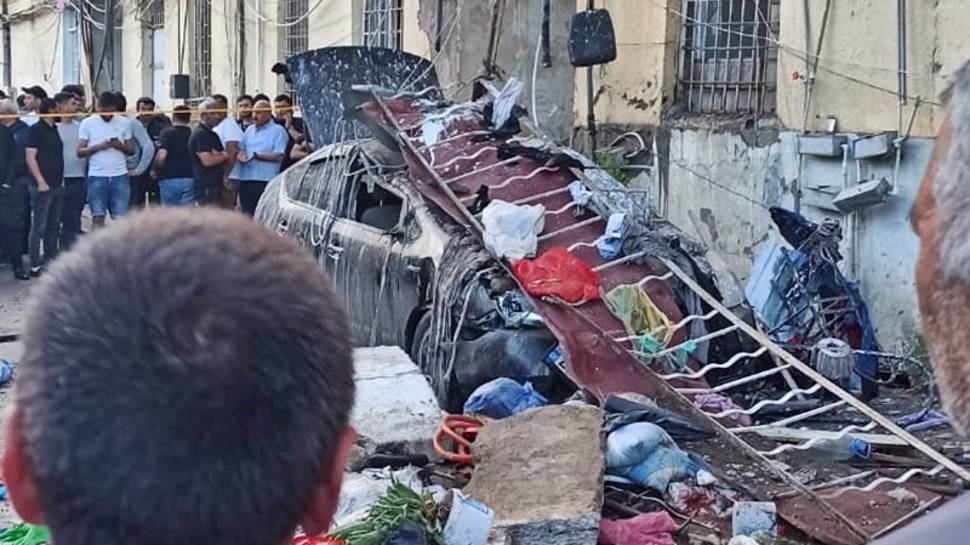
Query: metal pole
x: 901, y: 57
x: 590, y: 103
x: 241, y: 7
x: 7, y: 69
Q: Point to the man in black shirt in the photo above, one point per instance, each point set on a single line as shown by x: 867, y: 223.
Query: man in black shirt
x: 295, y: 129
x: 173, y: 163
x: 208, y: 156
x: 45, y: 160
x: 11, y: 219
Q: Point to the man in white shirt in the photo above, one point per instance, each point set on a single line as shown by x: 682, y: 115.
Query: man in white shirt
x: 231, y: 135
x: 106, y: 141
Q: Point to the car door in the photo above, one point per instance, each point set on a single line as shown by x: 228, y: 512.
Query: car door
x: 378, y: 283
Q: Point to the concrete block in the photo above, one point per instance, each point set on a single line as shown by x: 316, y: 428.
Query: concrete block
x: 541, y: 472
x: 395, y: 411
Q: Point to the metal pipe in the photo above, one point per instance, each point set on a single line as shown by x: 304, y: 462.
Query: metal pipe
x: 7, y: 57
x: 590, y: 103
x: 241, y: 78
x: 812, y: 67
x: 546, y: 51
x: 439, y: 24
x: 259, y: 43
x: 901, y: 57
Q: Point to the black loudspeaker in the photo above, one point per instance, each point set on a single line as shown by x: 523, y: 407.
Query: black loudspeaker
x: 179, y: 86
x: 592, y: 40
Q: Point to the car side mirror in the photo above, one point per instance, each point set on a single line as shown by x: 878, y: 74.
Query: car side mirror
x: 592, y: 39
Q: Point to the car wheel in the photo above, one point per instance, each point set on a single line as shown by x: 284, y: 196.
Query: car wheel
x: 421, y: 343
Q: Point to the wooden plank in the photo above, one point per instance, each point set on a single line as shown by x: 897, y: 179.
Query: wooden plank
x: 798, y: 435
x: 811, y: 373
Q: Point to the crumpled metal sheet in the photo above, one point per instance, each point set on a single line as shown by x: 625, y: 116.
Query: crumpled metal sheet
x: 323, y: 76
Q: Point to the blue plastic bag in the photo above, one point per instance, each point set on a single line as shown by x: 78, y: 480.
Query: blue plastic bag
x: 643, y: 453
x: 6, y: 371
x: 502, y: 398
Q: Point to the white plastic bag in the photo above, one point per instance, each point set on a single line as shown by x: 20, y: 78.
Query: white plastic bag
x: 512, y: 231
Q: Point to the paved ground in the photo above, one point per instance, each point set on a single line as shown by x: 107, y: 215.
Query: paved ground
x: 13, y: 297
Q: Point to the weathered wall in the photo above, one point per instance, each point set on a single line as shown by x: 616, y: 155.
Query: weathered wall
x: 36, y: 54
x: 639, y: 85
x: 857, y: 64
x: 465, y: 43
x: 720, y: 183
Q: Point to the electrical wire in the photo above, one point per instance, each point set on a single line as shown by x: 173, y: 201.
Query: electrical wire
x: 408, y: 83
x: 276, y: 23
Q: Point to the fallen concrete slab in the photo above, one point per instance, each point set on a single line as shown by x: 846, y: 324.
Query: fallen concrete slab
x: 395, y: 410
x: 541, y: 472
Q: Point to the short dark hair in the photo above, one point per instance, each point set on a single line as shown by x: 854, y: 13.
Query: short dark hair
x: 220, y: 98
x: 109, y: 99
x: 63, y: 96
x: 182, y: 113
x: 284, y: 98
x: 140, y: 399
x: 47, y: 106
x: 241, y: 98
x: 21, y: 101
x: 122, y: 101
x: 74, y: 89
x: 145, y: 101
x: 261, y: 96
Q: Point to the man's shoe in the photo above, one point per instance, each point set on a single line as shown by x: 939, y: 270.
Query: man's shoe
x: 21, y: 274
x: 35, y: 271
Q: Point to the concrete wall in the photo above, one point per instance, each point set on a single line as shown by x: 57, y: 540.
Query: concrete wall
x: 465, y: 43
x: 33, y: 61
x: 721, y: 182
x: 857, y: 64
x: 639, y: 85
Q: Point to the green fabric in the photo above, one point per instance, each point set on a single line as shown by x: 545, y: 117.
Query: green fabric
x: 651, y: 327
x: 632, y: 306
x: 25, y: 534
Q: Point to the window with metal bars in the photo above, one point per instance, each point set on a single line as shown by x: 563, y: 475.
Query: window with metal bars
x: 296, y: 32
x: 202, y: 51
x: 730, y: 56
x: 382, y: 23
x: 153, y: 15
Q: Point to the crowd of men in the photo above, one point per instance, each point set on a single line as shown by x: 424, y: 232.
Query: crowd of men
x: 55, y: 158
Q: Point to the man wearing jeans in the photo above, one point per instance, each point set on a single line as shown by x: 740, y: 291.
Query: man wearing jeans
x: 173, y: 165
x: 106, y: 141
x: 75, y: 171
x: 45, y: 160
x: 262, y: 152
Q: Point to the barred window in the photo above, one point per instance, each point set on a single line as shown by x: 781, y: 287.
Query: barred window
x: 296, y: 32
x: 153, y: 15
x: 202, y: 52
x: 730, y: 56
x: 382, y: 23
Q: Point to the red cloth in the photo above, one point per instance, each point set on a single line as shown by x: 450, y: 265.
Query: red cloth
x: 646, y: 529
x: 303, y: 539
x: 558, y: 273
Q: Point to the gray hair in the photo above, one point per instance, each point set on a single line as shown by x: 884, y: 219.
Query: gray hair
x: 951, y: 184
x: 209, y: 104
x: 8, y: 106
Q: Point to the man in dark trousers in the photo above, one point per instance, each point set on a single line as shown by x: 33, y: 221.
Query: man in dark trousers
x: 11, y: 202
x: 186, y: 378
x: 208, y: 156
x: 296, y: 132
x: 75, y: 170
x: 262, y: 152
x: 16, y: 213
x: 45, y: 160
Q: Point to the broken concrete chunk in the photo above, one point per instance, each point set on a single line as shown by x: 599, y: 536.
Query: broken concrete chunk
x: 395, y: 408
x: 541, y: 472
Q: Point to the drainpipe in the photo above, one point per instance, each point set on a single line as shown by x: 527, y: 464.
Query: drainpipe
x: 901, y: 90
x: 241, y: 79
x: 590, y: 103
x: 7, y: 70
x: 811, y: 66
x: 259, y: 44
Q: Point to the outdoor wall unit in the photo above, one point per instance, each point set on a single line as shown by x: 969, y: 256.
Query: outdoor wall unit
x: 822, y: 145
x: 179, y: 86
x: 862, y: 195
x: 875, y: 146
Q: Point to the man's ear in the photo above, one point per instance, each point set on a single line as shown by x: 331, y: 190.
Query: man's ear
x: 17, y: 473
x: 327, y: 493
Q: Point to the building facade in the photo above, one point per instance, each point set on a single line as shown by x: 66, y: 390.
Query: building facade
x: 751, y: 103
x: 225, y: 46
